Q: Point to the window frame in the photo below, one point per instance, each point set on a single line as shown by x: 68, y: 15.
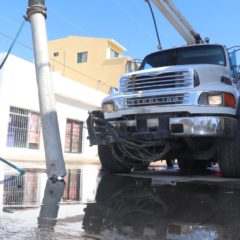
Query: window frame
x: 71, y: 140
x: 82, y: 57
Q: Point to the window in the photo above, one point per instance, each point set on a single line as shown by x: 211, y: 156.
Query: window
x: 113, y: 54
x: 56, y: 54
x: 23, y: 128
x: 201, y: 54
x: 82, y: 57
x: 15, y: 197
x: 73, y: 138
x: 72, y: 190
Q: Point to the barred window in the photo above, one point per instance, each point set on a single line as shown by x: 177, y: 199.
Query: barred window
x: 73, y: 138
x: 15, y: 197
x: 23, y: 128
x: 73, y: 190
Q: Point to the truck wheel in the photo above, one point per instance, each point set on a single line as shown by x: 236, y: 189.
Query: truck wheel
x: 229, y: 155
x: 109, y: 162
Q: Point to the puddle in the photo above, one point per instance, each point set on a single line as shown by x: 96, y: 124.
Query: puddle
x: 33, y: 207
x: 93, y: 205
x: 144, y: 208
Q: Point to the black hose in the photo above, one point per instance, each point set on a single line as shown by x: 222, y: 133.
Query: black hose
x: 155, y: 25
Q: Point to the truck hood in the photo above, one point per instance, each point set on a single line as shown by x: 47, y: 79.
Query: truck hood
x: 209, y: 73
x: 208, y: 68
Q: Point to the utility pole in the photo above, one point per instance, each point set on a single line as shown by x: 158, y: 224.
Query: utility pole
x: 36, y: 15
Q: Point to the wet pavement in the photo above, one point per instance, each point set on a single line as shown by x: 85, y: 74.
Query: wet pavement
x: 160, y: 203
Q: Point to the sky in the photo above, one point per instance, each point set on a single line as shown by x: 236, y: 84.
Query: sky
x: 128, y: 22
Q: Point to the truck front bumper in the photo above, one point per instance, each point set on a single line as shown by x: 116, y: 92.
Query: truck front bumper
x: 215, y: 126
x: 203, y: 126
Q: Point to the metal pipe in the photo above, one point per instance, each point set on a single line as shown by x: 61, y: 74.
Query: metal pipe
x: 36, y: 14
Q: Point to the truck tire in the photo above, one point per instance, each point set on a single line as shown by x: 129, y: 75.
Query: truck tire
x: 229, y: 155
x: 109, y: 162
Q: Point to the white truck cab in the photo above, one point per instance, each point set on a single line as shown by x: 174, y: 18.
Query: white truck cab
x: 182, y: 103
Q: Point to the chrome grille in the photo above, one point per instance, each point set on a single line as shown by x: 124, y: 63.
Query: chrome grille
x: 156, y: 81
x: 157, y: 100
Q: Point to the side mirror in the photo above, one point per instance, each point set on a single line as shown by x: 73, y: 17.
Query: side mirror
x: 113, y: 91
x: 132, y: 65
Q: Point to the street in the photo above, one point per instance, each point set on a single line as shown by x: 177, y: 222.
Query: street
x: 160, y: 203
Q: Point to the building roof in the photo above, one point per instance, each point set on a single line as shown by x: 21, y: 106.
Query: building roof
x: 112, y: 41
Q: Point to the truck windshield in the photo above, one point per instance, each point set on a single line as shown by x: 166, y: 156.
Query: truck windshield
x: 201, y: 54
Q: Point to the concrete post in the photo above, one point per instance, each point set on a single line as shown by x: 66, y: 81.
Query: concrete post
x: 50, y: 204
x: 36, y: 14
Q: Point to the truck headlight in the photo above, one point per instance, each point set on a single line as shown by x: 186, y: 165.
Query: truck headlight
x: 217, y: 99
x: 109, y: 107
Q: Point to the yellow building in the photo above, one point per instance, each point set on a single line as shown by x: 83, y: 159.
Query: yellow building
x: 96, y: 62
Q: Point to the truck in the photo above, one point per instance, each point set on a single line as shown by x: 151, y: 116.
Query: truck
x: 182, y: 104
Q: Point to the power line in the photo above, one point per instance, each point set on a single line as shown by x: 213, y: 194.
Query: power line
x: 54, y: 60
x: 8, y: 20
x: 18, y: 42
x: 67, y: 20
x: 131, y: 17
x: 13, y: 43
x: 75, y: 70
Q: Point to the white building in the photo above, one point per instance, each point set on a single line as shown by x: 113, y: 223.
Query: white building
x: 20, y: 126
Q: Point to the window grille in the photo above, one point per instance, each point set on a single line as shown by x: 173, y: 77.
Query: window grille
x: 20, y: 191
x: 72, y: 190
x: 73, y: 138
x: 23, y: 128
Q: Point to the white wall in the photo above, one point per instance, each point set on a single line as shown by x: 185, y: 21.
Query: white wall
x: 3, y: 110
x: 74, y: 100
x: 18, y: 87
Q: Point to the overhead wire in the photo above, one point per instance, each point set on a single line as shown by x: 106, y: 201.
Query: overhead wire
x: 12, y: 45
x: 54, y: 60
x: 67, y: 20
x: 8, y: 20
x: 75, y: 70
x: 17, y: 42
x: 130, y: 16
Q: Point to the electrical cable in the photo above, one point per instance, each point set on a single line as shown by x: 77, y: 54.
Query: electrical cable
x: 13, y: 43
x: 75, y: 70
x: 236, y: 50
x: 236, y: 46
x: 20, y: 170
x: 131, y: 152
x: 18, y: 42
x: 136, y: 22
x: 53, y: 59
x: 69, y: 21
x: 155, y: 24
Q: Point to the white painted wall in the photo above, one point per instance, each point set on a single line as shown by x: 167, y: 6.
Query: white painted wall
x: 18, y: 87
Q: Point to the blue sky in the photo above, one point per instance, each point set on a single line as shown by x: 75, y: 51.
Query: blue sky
x: 128, y: 22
